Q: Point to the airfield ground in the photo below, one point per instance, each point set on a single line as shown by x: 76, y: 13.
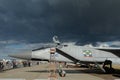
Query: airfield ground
x: 41, y: 71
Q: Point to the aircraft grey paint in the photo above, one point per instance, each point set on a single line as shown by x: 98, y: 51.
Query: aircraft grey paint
x: 88, y: 54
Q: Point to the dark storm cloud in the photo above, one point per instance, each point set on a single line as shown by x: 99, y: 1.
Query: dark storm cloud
x: 39, y: 20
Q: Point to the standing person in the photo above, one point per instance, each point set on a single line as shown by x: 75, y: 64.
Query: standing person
x: 29, y: 63
x: 4, y: 65
x: 0, y: 66
x: 38, y: 63
x: 14, y: 64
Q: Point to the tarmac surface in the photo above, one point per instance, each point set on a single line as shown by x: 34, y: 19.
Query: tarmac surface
x: 41, y: 72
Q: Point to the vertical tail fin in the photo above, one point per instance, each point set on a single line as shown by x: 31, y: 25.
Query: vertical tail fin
x: 56, y: 40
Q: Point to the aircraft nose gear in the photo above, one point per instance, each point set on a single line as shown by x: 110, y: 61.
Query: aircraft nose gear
x: 62, y: 73
x: 107, y: 66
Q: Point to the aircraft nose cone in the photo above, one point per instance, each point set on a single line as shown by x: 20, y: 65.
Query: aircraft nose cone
x: 24, y: 55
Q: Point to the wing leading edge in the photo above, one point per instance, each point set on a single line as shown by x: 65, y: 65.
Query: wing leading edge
x: 115, y: 51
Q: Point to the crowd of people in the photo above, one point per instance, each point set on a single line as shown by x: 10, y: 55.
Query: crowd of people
x: 12, y: 64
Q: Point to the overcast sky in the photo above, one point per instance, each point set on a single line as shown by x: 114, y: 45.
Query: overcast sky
x: 36, y: 21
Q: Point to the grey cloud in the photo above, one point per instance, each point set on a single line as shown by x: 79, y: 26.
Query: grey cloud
x: 38, y: 20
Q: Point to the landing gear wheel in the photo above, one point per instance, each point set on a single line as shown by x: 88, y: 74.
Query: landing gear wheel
x: 62, y: 73
x: 108, y: 69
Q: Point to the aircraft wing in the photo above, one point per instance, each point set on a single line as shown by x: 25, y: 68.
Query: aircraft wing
x: 115, y: 51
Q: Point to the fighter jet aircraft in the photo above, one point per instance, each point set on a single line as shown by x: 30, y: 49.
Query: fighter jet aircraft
x: 78, y: 54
